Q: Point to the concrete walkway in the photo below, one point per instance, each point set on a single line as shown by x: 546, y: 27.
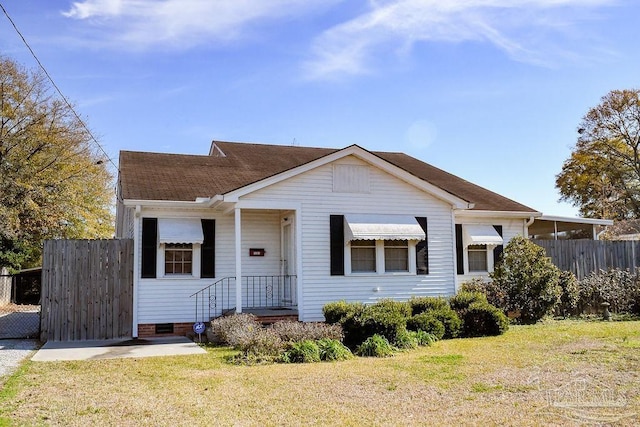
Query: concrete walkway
x: 113, y: 349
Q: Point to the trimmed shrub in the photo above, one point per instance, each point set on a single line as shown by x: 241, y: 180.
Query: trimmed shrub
x: 333, y: 350
x: 305, y: 351
x: 451, y: 321
x: 463, y: 299
x: 375, y: 346
x: 290, y: 331
x: 349, y: 316
x: 428, y: 323
x: 386, y: 318
x: 339, y: 311
x: 528, y: 279
x: 570, y: 293
x: 406, y: 340
x: 482, y: 319
x: 424, y: 338
x: 421, y: 304
x: 236, y: 329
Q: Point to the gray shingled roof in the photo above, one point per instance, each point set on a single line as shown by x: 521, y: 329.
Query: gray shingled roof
x: 181, y: 177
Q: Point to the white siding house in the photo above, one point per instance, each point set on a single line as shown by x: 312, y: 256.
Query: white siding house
x: 256, y: 226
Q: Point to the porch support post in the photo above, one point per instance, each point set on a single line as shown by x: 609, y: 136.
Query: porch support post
x: 238, y: 246
x: 136, y: 270
x: 299, y: 272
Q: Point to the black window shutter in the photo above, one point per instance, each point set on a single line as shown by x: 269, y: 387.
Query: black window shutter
x: 459, y: 250
x: 149, y: 247
x: 497, y: 251
x: 208, y: 249
x: 337, y: 244
x: 422, y: 248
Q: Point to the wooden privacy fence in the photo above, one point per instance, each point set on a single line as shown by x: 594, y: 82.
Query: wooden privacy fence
x: 87, y: 289
x: 584, y: 256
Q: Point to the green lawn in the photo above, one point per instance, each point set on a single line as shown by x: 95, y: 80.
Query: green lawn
x: 550, y: 373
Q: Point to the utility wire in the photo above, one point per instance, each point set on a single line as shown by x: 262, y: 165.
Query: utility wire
x: 53, y: 83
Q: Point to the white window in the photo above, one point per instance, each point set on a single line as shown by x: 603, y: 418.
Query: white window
x: 381, y: 256
x: 477, y: 256
x: 363, y: 256
x: 396, y: 255
x: 178, y: 258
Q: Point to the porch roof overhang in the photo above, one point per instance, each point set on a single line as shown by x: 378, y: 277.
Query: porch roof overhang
x: 481, y: 234
x: 382, y: 227
x: 180, y: 230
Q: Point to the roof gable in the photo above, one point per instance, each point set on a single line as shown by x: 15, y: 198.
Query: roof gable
x: 237, y: 168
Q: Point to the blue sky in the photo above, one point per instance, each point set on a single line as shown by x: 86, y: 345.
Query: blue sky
x: 490, y: 90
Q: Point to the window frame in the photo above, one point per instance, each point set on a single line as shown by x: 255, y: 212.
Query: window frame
x: 195, y: 263
x: 380, y: 260
x: 175, y: 248
x: 478, y: 249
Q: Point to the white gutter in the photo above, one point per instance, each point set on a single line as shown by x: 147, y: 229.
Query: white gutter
x: 200, y: 202
x: 496, y: 214
x: 525, y: 229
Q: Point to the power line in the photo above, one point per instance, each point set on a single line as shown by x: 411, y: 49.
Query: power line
x: 53, y: 83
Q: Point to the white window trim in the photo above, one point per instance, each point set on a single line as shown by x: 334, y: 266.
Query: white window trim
x: 465, y: 257
x: 380, y: 270
x: 195, y: 264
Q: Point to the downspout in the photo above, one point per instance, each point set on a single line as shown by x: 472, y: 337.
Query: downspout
x: 527, y: 223
x: 136, y: 269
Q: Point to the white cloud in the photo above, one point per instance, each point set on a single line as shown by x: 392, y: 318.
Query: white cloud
x: 142, y: 24
x: 522, y: 29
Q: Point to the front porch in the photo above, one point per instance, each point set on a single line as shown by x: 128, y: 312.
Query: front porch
x: 270, y: 298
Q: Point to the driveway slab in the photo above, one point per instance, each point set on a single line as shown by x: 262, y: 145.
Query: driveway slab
x: 113, y: 349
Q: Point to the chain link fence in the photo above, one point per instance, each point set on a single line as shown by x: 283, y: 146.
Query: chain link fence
x: 20, y: 304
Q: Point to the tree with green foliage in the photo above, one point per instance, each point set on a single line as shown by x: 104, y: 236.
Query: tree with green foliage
x: 528, y: 281
x: 53, y: 182
x: 602, y: 176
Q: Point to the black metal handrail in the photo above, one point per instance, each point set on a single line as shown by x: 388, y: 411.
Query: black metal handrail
x: 214, y: 300
x: 258, y: 292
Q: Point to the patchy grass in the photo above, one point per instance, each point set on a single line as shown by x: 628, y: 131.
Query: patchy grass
x: 495, y: 380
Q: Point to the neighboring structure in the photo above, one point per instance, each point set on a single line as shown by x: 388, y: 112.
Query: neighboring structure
x: 298, y: 227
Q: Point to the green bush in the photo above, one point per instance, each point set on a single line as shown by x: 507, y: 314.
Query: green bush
x: 424, y: 338
x: 619, y: 288
x: 349, y: 316
x: 421, y: 304
x: 290, y: 331
x: 333, y: 350
x: 570, y: 294
x: 528, y: 280
x: 386, y: 318
x: 482, y: 319
x: 406, y: 340
x: 428, y: 323
x: 340, y: 311
x: 305, y: 351
x: 375, y: 346
x: 463, y: 299
x: 451, y: 321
